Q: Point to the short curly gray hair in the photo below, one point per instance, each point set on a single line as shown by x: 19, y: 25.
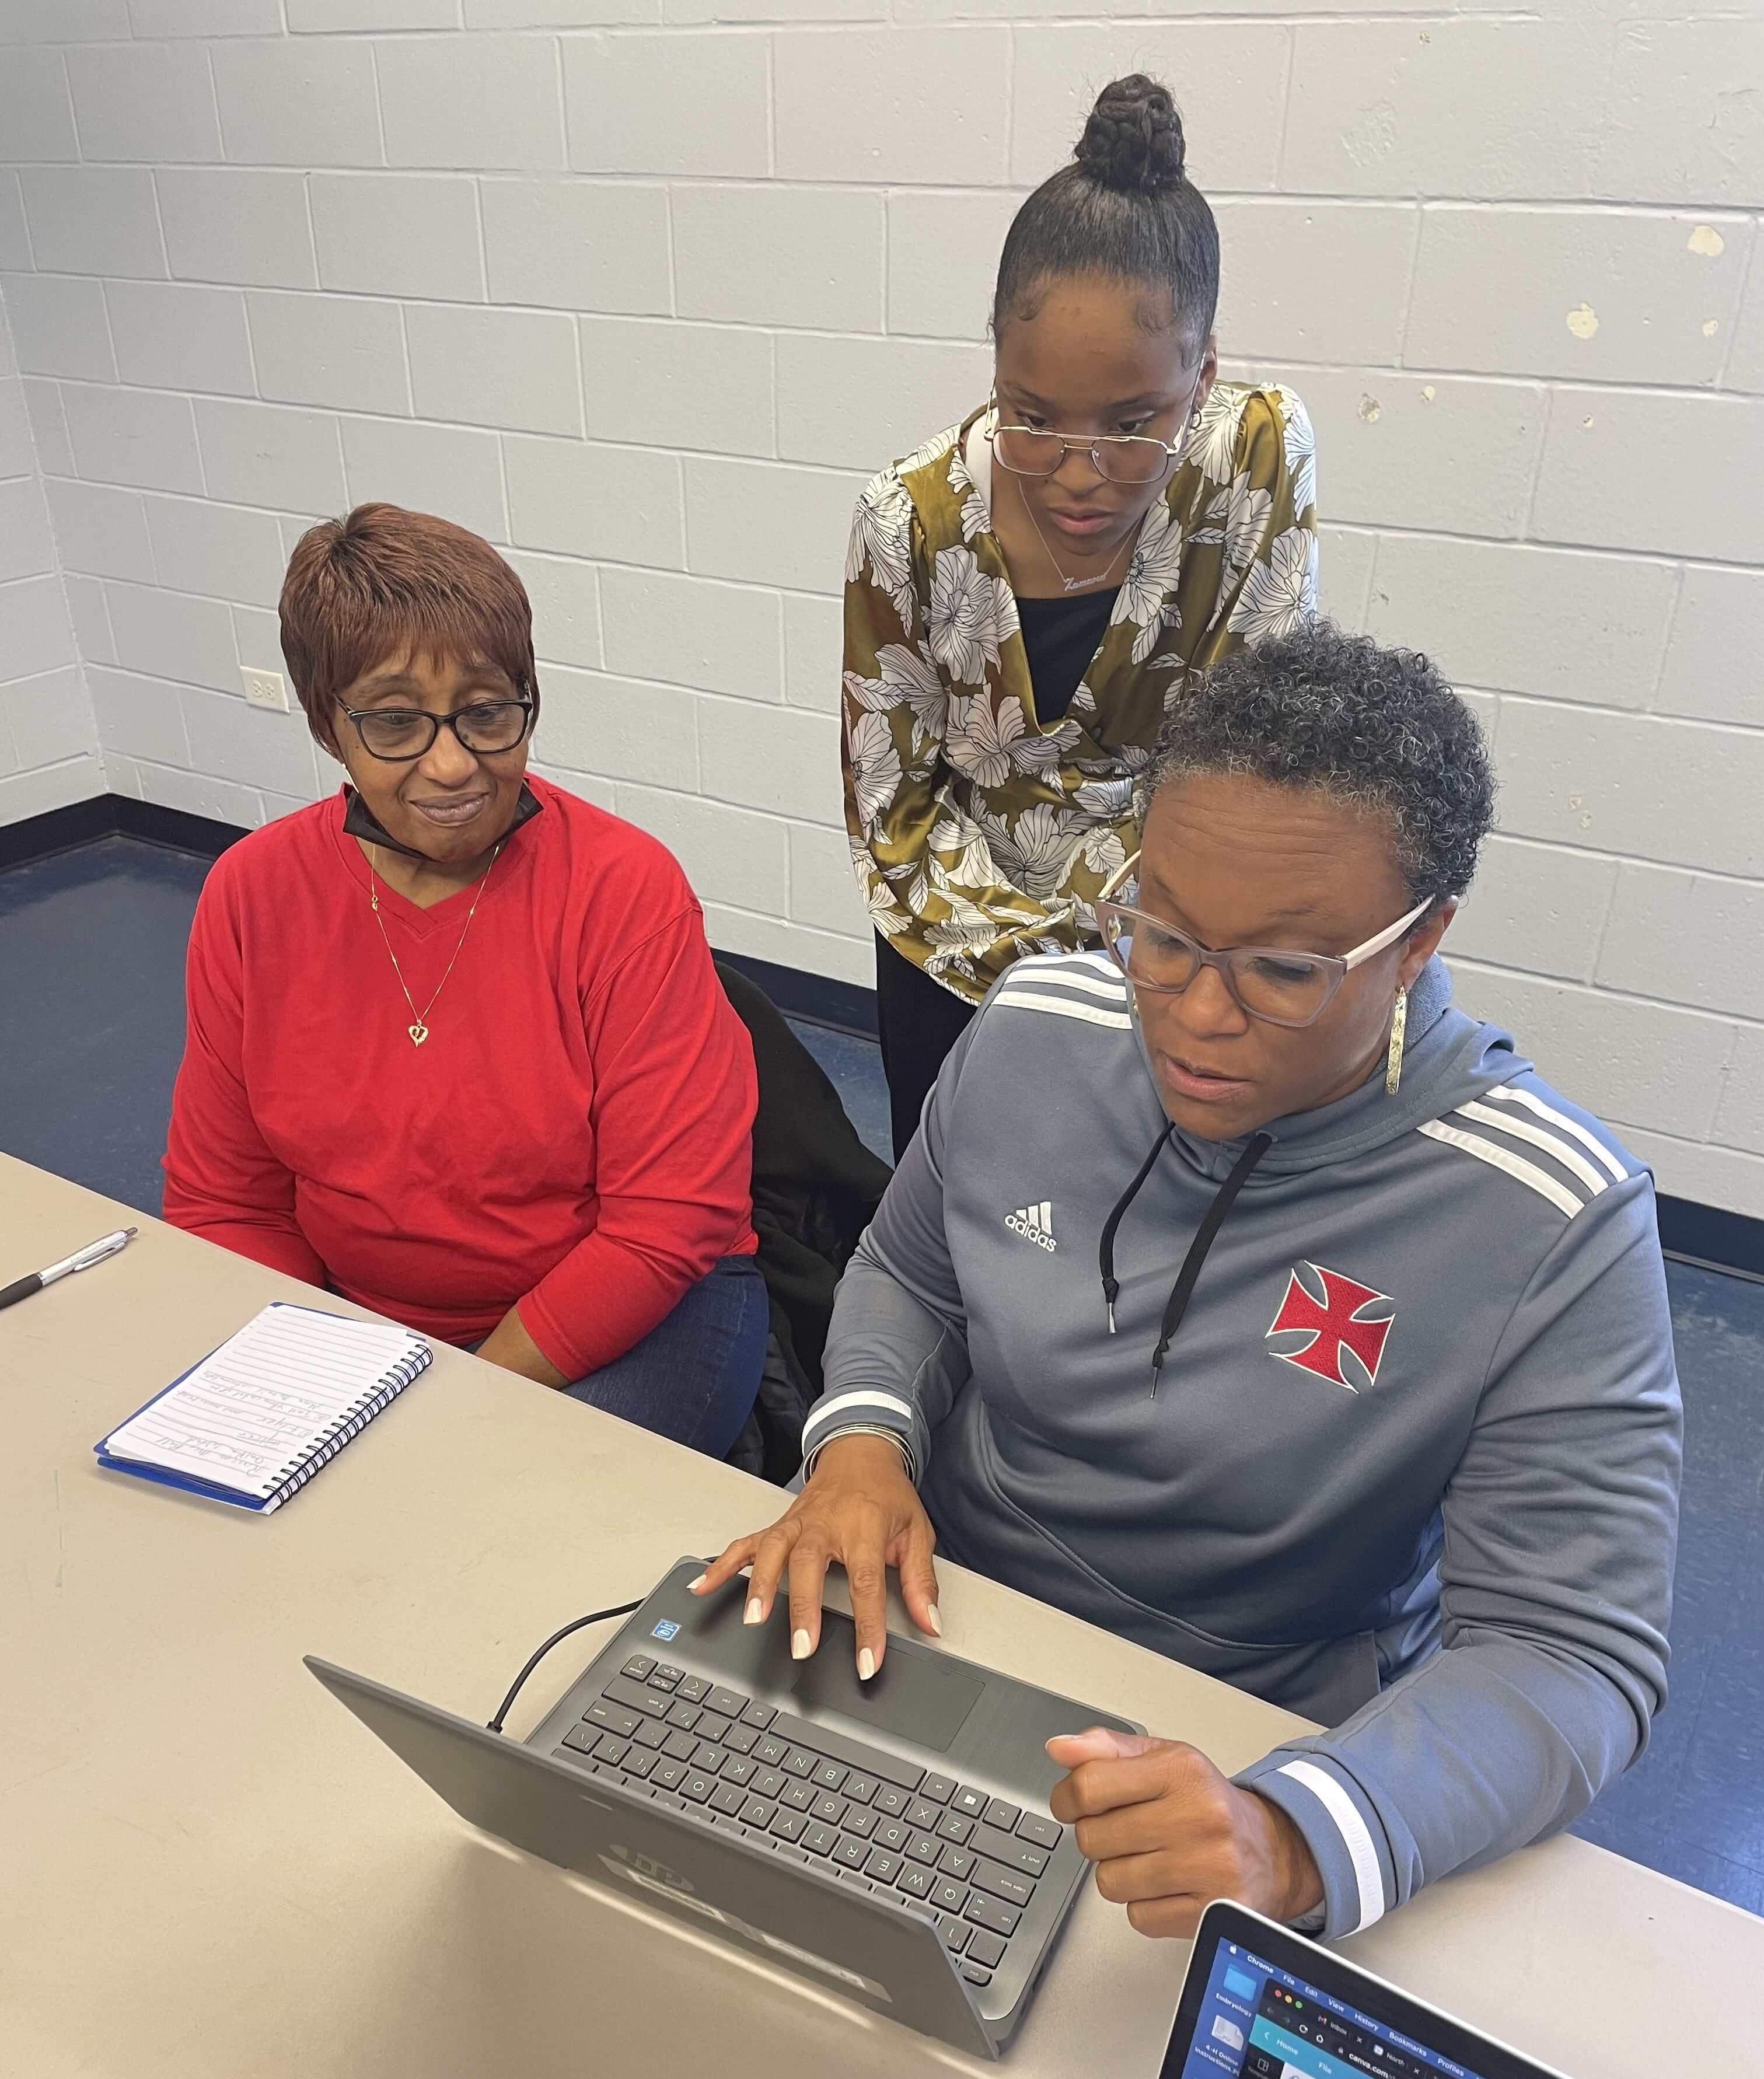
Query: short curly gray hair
x: 1378, y: 729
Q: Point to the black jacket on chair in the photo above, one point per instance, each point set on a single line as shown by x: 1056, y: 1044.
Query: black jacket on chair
x: 816, y: 1186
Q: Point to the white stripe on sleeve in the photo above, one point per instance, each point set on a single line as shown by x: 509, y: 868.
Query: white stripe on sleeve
x: 1028, y: 999
x: 1356, y: 1836
x: 1114, y: 989
x: 860, y: 1398
x: 1508, y: 1095
x: 1047, y: 963
x: 1503, y: 1158
x: 1576, y: 1166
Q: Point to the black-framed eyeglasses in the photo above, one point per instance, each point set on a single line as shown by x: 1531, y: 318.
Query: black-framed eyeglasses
x: 1269, y: 982
x: 399, y: 734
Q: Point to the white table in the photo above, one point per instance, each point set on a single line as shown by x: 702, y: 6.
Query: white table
x: 207, y: 1867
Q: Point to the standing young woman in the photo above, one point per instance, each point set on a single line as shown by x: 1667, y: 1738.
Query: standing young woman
x: 1026, y: 593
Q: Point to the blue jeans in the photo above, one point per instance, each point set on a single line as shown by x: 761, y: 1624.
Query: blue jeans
x: 695, y: 1376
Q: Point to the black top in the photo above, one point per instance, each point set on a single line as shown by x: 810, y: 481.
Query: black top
x: 1060, y: 636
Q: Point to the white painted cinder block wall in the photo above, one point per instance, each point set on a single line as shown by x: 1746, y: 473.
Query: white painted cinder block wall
x: 644, y: 289
x: 48, y: 743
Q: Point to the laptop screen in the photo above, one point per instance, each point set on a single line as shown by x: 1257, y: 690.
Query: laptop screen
x: 1261, y: 2003
x: 1259, y: 2022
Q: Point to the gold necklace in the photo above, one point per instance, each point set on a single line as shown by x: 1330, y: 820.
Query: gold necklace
x: 1077, y: 584
x: 419, y: 1031
x: 1087, y: 584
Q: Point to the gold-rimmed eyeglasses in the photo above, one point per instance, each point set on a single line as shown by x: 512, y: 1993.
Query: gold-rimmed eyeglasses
x: 1121, y: 458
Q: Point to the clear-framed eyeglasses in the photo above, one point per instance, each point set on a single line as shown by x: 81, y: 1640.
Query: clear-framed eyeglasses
x: 1121, y: 458
x: 399, y: 734
x: 1269, y: 982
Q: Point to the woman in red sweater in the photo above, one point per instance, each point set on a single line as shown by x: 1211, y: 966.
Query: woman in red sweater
x: 456, y: 1047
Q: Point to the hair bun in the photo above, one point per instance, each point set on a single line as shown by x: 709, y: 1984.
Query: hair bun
x: 1134, y: 138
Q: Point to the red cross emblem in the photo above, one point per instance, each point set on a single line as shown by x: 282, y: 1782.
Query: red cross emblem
x: 1344, y: 1339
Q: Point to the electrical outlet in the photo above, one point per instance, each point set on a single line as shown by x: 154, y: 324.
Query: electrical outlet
x: 265, y: 689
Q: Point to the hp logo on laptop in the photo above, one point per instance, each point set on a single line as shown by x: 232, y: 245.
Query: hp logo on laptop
x: 667, y: 1629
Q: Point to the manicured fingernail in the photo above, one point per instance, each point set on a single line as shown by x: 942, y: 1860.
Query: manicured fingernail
x: 696, y: 1586
x: 801, y: 1646
x: 866, y: 1664
x: 934, y: 1617
x: 753, y: 1613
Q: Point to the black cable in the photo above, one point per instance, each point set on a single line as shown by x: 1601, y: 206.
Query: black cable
x: 594, y: 1616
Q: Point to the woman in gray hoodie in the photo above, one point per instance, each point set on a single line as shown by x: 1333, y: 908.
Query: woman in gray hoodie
x: 1240, y: 1294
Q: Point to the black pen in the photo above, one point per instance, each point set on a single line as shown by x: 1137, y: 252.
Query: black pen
x: 82, y: 1259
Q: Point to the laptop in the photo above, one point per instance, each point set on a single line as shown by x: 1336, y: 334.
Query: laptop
x: 888, y: 1841
x: 1260, y: 2002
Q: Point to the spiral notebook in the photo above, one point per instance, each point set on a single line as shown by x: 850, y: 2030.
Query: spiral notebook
x: 255, y: 1419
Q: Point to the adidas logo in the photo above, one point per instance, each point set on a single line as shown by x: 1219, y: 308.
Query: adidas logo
x: 1034, y: 1224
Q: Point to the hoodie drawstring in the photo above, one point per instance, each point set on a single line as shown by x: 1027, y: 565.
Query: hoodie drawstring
x: 1111, y: 1289
x: 1182, y: 1291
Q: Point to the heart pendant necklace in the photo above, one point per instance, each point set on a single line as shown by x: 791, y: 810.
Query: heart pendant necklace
x: 418, y: 1029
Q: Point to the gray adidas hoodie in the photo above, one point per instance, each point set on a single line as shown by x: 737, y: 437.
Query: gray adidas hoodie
x: 1411, y: 1466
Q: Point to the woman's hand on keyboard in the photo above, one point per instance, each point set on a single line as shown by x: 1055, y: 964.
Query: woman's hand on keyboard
x: 861, y: 1509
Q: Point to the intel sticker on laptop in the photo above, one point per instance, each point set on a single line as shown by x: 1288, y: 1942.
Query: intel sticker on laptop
x: 667, y: 1629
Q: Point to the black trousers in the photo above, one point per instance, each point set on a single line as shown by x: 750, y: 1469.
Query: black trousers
x: 918, y: 1021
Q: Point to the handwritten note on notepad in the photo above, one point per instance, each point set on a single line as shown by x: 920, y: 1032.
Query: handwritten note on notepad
x: 254, y: 1421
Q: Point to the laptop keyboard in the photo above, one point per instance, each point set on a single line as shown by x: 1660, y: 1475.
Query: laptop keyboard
x: 920, y: 1840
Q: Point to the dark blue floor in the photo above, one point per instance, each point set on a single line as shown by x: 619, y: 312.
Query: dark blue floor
x: 91, y: 1027
x: 92, y: 1011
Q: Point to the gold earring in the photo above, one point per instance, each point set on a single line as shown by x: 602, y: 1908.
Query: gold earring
x: 1393, y: 1061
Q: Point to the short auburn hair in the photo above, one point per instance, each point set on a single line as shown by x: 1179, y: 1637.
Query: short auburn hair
x: 382, y: 579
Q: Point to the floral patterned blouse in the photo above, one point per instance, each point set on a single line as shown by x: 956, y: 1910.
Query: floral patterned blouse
x: 979, y: 836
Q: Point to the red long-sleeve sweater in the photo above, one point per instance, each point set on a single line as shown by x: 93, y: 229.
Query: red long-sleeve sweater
x: 574, y: 1135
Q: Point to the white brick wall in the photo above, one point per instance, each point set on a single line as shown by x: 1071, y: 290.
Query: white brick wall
x: 644, y: 289
x: 48, y: 739
x: 174, y: 335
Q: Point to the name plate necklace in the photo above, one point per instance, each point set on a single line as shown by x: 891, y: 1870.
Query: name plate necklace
x: 1077, y: 584
x: 418, y: 1029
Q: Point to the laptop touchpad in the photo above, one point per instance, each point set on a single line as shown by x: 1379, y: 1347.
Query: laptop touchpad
x: 917, y: 1697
